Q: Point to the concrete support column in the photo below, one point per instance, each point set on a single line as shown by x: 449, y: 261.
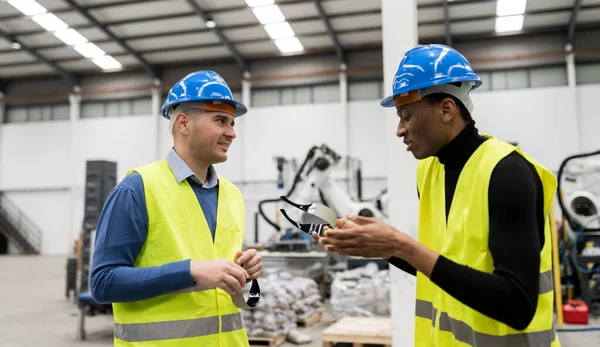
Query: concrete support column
x: 246, y: 89
x: 75, y: 104
x: 156, y: 118
x: 2, y: 108
x: 343, y: 76
x: 572, y: 83
x: 74, y: 164
x: 240, y: 125
x: 399, y: 22
x: 2, y: 118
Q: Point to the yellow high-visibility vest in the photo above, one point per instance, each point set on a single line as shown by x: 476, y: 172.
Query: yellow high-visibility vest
x: 178, y: 230
x: 441, y: 320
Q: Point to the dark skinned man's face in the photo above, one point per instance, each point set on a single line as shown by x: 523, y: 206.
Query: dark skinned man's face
x: 421, y: 127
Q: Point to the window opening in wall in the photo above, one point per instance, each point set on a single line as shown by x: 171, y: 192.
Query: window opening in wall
x: 36, y: 112
x: 292, y: 95
x: 365, y: 90
x: 115, y: 108
x: 545, y: 76
x: 587, y: 73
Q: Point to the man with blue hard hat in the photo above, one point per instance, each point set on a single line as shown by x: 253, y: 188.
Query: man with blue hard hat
x: 483, y: 260
x: 168, y: 244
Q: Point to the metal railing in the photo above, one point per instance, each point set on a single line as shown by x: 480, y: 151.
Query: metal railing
x: 28, y: 230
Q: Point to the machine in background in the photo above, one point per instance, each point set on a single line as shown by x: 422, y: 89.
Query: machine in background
x: 314, y: 181
x: 100, y: 179
x: 578, y: 192
x: 317, y: 180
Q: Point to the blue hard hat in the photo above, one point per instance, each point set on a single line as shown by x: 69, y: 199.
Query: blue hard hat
x: 201, y: 86
x: 430, y: 65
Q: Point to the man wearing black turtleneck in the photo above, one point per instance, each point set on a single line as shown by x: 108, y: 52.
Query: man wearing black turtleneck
x: 482, y: 260
x: 516, y: 237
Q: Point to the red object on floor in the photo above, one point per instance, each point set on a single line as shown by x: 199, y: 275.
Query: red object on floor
x: 575, y: 312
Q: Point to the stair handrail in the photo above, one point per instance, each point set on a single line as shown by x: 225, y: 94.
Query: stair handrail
x: 29, y: 230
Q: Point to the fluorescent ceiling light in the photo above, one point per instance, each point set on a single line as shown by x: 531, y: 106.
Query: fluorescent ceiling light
x: 510, y: 7
x: 28, y: 7
x: 107, y: 62
x: 89, y: 50
x: 50, y: 22
x: 210, y: 24
x: 279, y: 30
x: 70, y: 37
x: 289, y: 45
x: 257, y: 3
x: 268, y: 14
x: 509, y: 23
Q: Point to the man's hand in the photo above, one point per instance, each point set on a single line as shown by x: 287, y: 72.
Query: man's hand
x: 220, y: 273
x: 363, y: 236
x: 251, y: 261
x: 340, y: 223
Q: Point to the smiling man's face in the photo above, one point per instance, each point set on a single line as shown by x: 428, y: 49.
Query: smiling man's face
x: 210, y: 135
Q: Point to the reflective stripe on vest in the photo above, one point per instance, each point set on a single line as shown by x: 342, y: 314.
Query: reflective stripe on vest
x: 546, y: 284
x: 197, y: 288
x: 178, y: 329
x: 464, y: 333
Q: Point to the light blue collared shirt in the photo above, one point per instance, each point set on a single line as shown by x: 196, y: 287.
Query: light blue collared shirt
x: 121, y: 234
x: 182, y: 171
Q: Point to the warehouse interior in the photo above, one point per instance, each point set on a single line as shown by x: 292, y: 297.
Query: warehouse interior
x: 81, y: 88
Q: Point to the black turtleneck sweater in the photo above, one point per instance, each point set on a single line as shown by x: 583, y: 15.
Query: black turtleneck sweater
x: 510, y: 293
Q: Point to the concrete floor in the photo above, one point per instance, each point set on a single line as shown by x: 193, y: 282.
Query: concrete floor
x: 35, y: 312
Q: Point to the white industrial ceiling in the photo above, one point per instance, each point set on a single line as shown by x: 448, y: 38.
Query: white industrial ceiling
x: 158, y: 33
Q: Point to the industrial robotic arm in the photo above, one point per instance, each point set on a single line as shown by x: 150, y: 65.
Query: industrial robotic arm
x: 317, y: 177
x: 313, y: 181
x: 580, y: 205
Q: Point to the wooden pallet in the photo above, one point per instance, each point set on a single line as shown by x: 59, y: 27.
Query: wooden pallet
x: 267, y: 341
x: 309, y: 321
x: 359, y: 331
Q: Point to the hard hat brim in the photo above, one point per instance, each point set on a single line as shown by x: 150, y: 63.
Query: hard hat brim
x: 240, y: 109
x: 389, y: 100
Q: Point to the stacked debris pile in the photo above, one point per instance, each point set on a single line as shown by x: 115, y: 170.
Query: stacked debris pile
x: 364, y: 291
x: 284, y: 299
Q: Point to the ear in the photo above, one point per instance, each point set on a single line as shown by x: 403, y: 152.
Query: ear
x: 182, y: 123
x: 449, y: 110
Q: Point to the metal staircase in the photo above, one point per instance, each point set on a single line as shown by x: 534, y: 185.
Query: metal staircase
x: 18, y: 228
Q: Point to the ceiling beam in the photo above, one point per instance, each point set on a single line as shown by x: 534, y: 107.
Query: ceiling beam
x: 68, y: 76
x: 88, y: 8
x: 336, y: 43
x: 145, y: 65
x: 194, y: 45
x: 447, y: 24
x: 331, y: 16
x: 429, y: 39
x: 451, y: 3
x: 493, y: 16
x: 219, y: 32
x: 573, y: 21
x: 92, y: 7
x: 187, y: 14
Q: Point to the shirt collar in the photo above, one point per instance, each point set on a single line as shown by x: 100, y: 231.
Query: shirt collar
x: 182, y: 171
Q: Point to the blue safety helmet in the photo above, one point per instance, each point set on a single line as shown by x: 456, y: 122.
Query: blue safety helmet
x: 201, y: 86
x: 430, y: 65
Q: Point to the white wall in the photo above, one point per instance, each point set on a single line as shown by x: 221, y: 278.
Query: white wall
x: 42, y: 165
x: 541, y: 120
x: 587, y: 100
x: 33, y: 156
